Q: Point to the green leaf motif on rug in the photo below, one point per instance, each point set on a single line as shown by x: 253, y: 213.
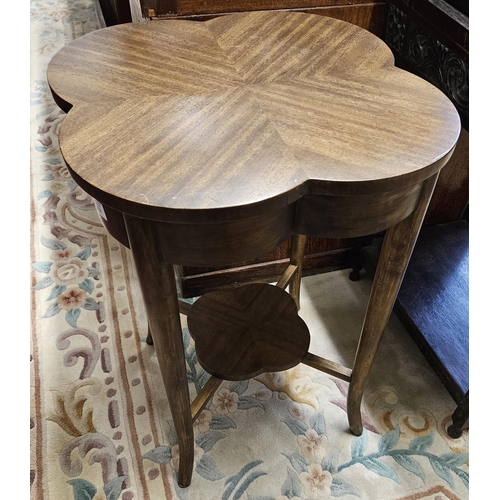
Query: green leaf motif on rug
x: 291, y: 487
x: 44, y: 194
x: 340, y: 487
x: 207, y: 440
x: 380, y: 468
x: 42, y: 267
x: 160, y: 455
x: 330, y: 462
x: 422, y: 443
x: 53, y: 244
x: 113, y: 489
x: 90, y: 304
x: 82, y: 489
x: 247, y: 402
x: 296, y: 426
x: 56, y: 291
x: 326, y: 468
x: 442, y: 471
x: 44, y: 283
x: 233, y: 481
x: 87, y: 285
x: 72, y: 317
x: 410, y: 464
x: 221, y: 422
x: 299, y: 463
x: 317, y: 422
x: 84, y: 254
x: 358, y: 446
x: 389, y: 440
x: 239, y: 387
x: 443, y: 465
x: 207, y: 469
x: 52, y: 310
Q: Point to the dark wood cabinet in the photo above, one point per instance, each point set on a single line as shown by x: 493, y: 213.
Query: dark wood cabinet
x: 367, y: 14
x: 430, y: 38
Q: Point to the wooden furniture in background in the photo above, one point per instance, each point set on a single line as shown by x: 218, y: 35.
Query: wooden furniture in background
x: 433, y: 305
x: 369, y: 14
x: 222, y: 139
x: 430, y: 38
x: 115, y: 11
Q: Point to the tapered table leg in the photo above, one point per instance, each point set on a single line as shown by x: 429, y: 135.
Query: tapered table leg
x: 157, y: 281
x: 395, y: 254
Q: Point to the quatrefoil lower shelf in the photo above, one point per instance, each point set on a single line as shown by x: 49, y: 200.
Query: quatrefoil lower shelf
x: 242, y: 113
x: 244, y: 332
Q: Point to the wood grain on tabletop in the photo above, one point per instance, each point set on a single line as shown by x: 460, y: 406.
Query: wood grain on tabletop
x: 243, y: 113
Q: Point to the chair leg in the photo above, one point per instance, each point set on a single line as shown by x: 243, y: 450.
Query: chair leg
x: 357, y: 266
x: 149, y: 338
x: 297, y: 250
x: 460, y: 417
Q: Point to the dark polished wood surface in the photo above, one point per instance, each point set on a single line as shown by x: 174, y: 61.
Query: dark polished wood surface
x: 428, y: 38
x: 211, y: 143
x: 247, y: 331
x: 433, y: 305
x: 295, y: 90
x: 433, y: 302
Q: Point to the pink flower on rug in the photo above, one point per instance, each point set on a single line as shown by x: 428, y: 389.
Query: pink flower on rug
x: 72, y: 298
x: 316, y: 482
x: 198, y: 453
x: 62, y: 253
x: 225, y: 401
x: 68, y: 272
x: 312, y: 445
x: 202, y: 423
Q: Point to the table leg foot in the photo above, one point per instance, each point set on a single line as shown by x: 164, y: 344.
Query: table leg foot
x: 454, y: 431
x: 397, y: 248
x: 149, y: 338
x: 158, y: 286
x: 459, y: 418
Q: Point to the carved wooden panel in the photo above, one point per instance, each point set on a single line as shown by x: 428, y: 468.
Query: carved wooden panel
x: 439, y: 56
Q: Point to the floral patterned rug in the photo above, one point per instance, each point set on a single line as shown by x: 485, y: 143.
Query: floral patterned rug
x: 100, y: 424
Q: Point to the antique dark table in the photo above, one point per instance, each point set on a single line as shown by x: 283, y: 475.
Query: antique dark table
x: 211, y: 143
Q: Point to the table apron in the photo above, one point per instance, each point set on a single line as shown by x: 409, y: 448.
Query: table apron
x: 229, y: 243
x: 351, y: 216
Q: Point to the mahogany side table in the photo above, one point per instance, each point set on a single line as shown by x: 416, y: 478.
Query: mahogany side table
x: 207, y: 144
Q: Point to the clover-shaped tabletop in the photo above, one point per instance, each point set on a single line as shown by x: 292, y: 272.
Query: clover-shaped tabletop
x: 253, y: 109
x: 247, y: 331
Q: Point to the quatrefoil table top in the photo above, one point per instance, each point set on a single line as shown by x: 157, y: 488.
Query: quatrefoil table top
x: 183, y: 121
x: 210, y: 143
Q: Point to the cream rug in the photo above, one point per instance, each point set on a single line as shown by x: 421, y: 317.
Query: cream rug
x: 100, y: 424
